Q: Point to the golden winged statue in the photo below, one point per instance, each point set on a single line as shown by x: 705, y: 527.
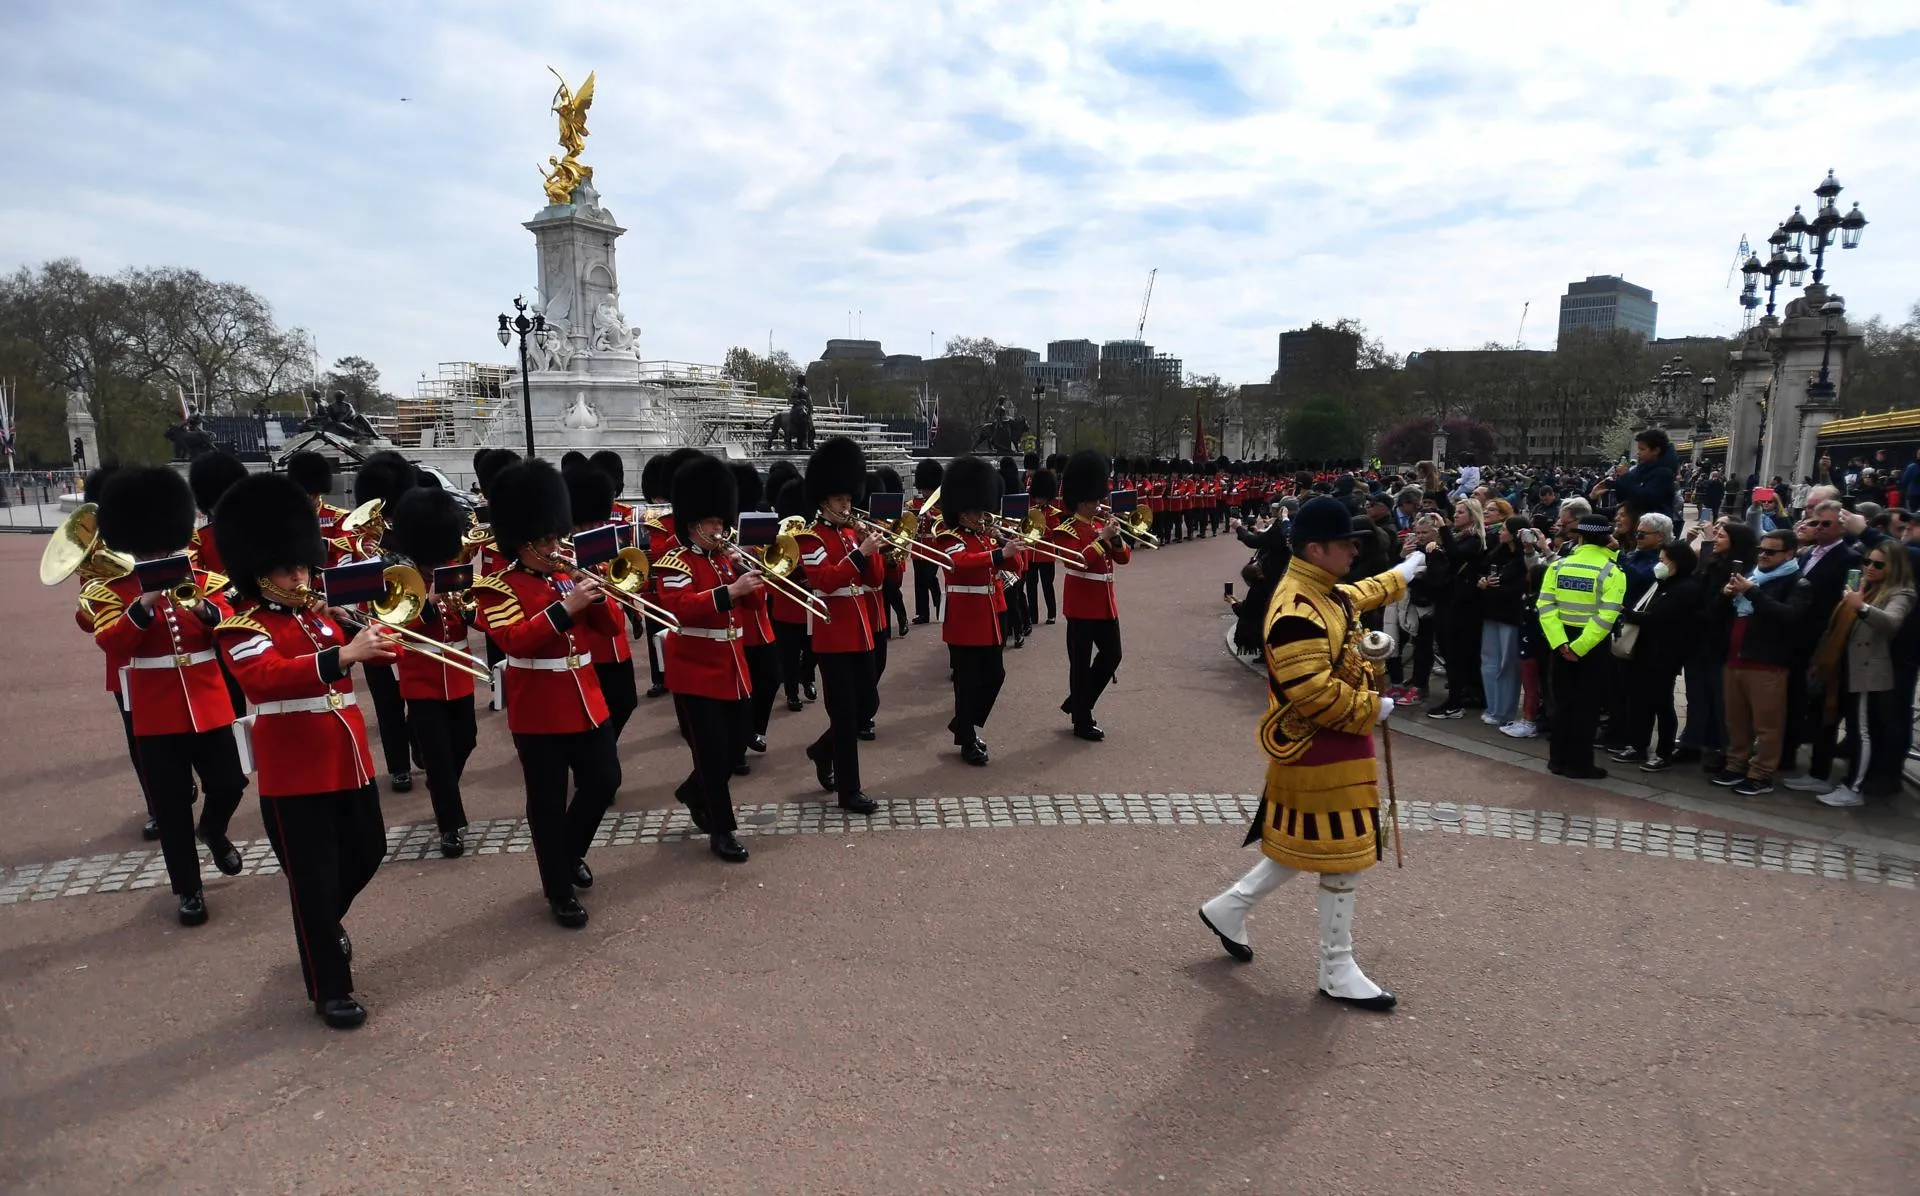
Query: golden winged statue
x: 569, y: 172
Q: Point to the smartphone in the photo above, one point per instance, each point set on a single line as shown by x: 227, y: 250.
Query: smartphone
x: 1229, y: 588
x: 1853, y: 579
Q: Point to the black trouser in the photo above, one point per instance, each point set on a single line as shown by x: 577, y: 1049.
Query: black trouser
x: 170, y: 762
x: 1580, y: 687
x: 1460, y: 646
x: 1039, y: 581
x: 656, y: 668
x: 895, y: 604
x: 1619, y: 700
x: 444, y: 733
x: 926, y: 590
x: 716, y: 731
x: 978, y: 671
x: 562, y: 832
x: 1015, y: 620
x: 329, y: 846
x: 234, y: 693
x: 851, y: 694
x: 499, y: 688
x: 621, y: 691
x: 390, y: 711
x: 1093, y: 656
x: 133, y: 754
x: 882, y: 639
x: 1799, y: 718
x: 1821, y: 733
x: 763, y: 673
x: 795, y: 643
x: 1889, y: 731
x: 1649, y: 702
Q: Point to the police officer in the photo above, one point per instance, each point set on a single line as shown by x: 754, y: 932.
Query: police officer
x: 1580, y: 601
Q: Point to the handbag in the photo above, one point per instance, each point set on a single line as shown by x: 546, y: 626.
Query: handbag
x: 1627, y: 635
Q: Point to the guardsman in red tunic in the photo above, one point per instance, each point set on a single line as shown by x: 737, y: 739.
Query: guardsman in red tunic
x: 706, y: 656
x: 211, y: 474
x: 535, y: 611
x: 1093, y: 617
x: 386, y: 476
x: 842, y: 564
x: 656, y: 486
x: 975, y: 599
x: 893, y: 601
x: 590, y: 496
x: 312, y: 766
x: 314, y: 472
x: 798, y: 664
x: 1042, y: 489
x: 756, y: 626
x: 487, y: 464
x: 170, y: 672
x: 425, y: 527
x: 927, y: 476
x: 610, y: 463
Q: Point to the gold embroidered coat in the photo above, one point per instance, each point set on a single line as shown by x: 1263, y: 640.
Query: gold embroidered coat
x: 1319, y: 811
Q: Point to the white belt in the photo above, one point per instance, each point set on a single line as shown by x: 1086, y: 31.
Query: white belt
x: 710, y: 633
x: 969, y: 589
x: 845, y: 592
x: 1083, y: 575
x: 550, y: 664
x: 332, y: 701
x: 178, y: 661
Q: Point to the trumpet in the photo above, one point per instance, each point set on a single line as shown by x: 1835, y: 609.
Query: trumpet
x: 187, y: 595
x: 775, y: 568
x: 625, y: 576
x: 900, y: 540
x: 1136, y: 527
x: 406, y: 596
x: 1031, y: 534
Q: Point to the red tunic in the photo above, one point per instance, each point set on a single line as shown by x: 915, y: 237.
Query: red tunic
x: 975, y: 593
x: 169, y: 658
x: 84, y: 615
x: 308, y: 733
x: 1087, y: 592
x: 203, y: 550
x: 551, y: 686
x: 841, y: 577
x: 424, y: 675
x: 706, y: 657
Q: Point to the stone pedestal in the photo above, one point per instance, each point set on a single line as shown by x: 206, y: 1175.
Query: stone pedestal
x: 1796, y: 413
x: 1185, y: 452
x: 1751, y: 367
x: 1049, y: 443
x: 81, y: 429
x: 1234, y: 442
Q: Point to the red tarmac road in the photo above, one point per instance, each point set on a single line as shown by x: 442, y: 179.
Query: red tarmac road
x: 1025, y: 1009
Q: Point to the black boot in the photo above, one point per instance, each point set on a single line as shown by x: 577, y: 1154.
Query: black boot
x: 341, y: 1013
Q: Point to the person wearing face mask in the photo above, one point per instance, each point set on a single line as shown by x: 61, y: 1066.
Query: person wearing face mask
x: 1668, y: 619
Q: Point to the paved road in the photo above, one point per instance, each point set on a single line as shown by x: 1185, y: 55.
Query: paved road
x: 1599, y: 993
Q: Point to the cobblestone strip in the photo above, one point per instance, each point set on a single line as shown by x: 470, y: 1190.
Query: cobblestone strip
x: 145, y: 869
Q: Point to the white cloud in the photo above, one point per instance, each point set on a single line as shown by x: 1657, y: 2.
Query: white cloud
x: 1005, y: 169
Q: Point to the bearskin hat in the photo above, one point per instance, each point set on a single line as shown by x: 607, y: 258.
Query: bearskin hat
x: 791, y: 499
x: 746, y: 480
x: 1056, y: 462
x: 425, y: 525
x: 971, y: 485
x: 211, y: 474
x: 1009, y: 477
x: 96, y: 482
x: 838, y: 466
x: 660, y: 489
x: 1043, y: 485
x: 572, y: 459
x: 146, y: 510
x: 778, y: 475
x: 479, y: 455
x: 589, y: 494
x: 703, y: 488
x: 312, y: 470
x: 1030, y: 462
x: 614, y: 466
x: 489, y: 463
x: 650, y: 478
x: 890, y: 480
x: 528, y: 502
x: 266, y: 522
x: 928, y: 474
x: 1085, y: 479
x: 385, y: 476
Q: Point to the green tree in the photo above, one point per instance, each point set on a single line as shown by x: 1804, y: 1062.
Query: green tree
x: 1325, y: 429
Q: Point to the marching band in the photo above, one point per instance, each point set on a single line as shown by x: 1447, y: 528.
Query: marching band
x: 230, y: 647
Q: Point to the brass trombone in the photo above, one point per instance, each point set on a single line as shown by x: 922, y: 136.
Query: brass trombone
x: 1137, y: 527
x: 1031, y: 534
x: 406, y: 596
x: 898, y: 539
x: 775, y: 568
x: 625, y: 576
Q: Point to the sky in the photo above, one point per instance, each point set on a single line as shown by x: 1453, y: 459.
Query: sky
x: 1010, y: 170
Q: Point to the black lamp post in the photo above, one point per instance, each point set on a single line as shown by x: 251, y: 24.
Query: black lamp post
x: 1822, y: 388
x: 1039, y: 393
x: 1702, y: 428
x: 524, y: 326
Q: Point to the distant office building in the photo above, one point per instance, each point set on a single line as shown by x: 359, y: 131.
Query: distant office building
x: 1311, y: 356
x: 1082, y: 353
x: 1603, y: 303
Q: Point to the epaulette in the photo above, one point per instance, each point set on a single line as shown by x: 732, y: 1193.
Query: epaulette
x: 654, y: 525
x: 242, y: 623
x: 343, y: 543
x: 806, y: 533
x: 497, y: 582
x: 216, y: 582
x: 674, y: 560
x: 101, y: 592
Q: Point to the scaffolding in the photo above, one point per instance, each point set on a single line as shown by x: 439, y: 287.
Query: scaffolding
x: 446, y: 408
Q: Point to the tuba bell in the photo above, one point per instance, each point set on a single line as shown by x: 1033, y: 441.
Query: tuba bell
x: 77, y: 548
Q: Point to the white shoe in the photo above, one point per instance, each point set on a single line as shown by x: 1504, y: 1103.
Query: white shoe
x: 1520, y: 729
x: 1489, y: 719
x: 1226, y: 915
x: 1340, y: 977
x: 1802, y: 783
x: 1842, y: 798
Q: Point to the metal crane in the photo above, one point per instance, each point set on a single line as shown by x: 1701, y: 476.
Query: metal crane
x: 1140, y: 329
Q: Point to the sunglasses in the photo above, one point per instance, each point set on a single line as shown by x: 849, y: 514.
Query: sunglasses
x: 1776, y: 551
x: 1873, y: 564
x: 1819, y: 523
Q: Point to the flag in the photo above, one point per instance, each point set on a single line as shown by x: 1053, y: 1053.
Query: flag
x: 1199, y: 433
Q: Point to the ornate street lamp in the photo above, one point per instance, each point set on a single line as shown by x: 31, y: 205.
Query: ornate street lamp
x: 1703, y: 428
x: 1822, y: 388
x: 524, y: 326
x: 1819, y: 233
